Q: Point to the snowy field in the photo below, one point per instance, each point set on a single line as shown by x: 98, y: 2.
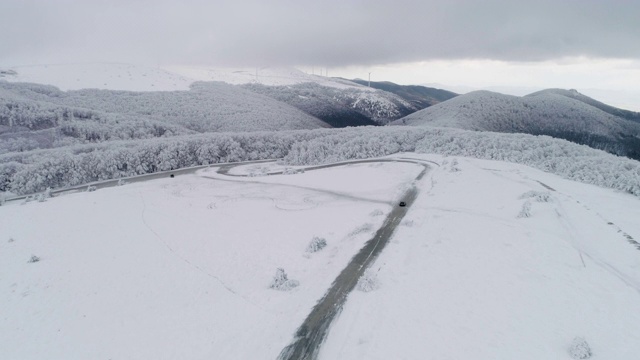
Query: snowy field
x: 136, y: 77
x: 493, y: 261
x: 108, y: 76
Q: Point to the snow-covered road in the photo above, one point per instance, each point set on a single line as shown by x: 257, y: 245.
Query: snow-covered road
x: 493, y: 261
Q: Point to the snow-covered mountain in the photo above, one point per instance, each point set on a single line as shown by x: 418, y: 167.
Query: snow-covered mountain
x: 40, y: 116
x: 543, y: 113
x: 268, y: 76
x: 420, y: 96
x: 340, y: 107
x: 337, y: 101
x: 574, y: 94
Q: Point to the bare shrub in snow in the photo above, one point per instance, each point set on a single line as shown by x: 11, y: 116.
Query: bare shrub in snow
x: 4, y: 196
x: 454, y: 166
x: 44, y: 196
x: 291, y: 171
x: 368, y: 281
x: 539, y: 196
x: 33, y: 259
x: 525, y: 212
x: 407, y: 223
x: 121, y: 182
x: 376, y: 212
x: 282, y: 282
x: 316, y: 244
x: 361, y: 229
x: 11, y: 240
x: 91, y: 188
x: 580, y: 349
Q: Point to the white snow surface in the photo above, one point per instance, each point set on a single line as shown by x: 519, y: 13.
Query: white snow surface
x: 270, y: 76
x: 180, y: 268
x: 138, y: 77
x: 107, y: 76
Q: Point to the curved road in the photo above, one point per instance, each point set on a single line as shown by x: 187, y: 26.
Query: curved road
x: 314, y: 329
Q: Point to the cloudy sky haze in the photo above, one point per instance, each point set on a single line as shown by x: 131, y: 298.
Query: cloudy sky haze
x: 474, y: 39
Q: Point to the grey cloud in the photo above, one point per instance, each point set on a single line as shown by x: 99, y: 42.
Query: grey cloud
x: 327, y: 33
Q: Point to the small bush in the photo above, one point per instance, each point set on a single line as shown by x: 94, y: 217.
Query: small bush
x: 407, y: 223
x: 364, y: 228
x: 580, y: 349
x: 33, y: 259
x: 454, y: 166
x: 290, y: 171
x: 91, y: 188
x: 539, y: 196
x: 525, y: 212
x: 368, y: 281
x: 316, y: 244
x: 121, y: 182
x: 43, y: 196
x: 282, y: 282
x: 376, y: 212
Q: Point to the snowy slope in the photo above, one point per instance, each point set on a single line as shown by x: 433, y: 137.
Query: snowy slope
x: 467, y: 279
x: 185, y: 273
x: 269, y: 76
x: 183, y: 264
x: 137, y: 77
x: 545, y: 113
x: 574, y: 94
x: 109, y: 76
x: 40, y: 116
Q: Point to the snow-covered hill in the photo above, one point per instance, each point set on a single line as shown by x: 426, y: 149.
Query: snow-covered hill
x: 574, y: 94
x: 336, y: 101
x: 340, y: 107
x: 545, y: 113
x: 493, y: 261
x: 39, y: 116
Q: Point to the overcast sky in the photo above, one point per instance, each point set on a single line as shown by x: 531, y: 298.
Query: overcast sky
x: 453, y: 38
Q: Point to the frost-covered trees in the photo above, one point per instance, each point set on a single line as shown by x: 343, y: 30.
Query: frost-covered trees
x: 539, y: 196
x: 316, y: 244
x: 282, y: 282
x: 525, y: 212
x: 34, y: 171
x: 579, y: 349
x: 368, y: 281
x: 543, y: 113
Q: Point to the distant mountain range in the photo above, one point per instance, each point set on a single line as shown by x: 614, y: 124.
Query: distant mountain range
x: 564, y: 114
x: 420, y: 96
x: 106, y: 102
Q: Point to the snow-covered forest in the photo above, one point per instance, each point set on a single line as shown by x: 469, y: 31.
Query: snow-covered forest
x: 34, y: 171
x: 41, y: 116
x: 544, y: 113
x: 340, y: 107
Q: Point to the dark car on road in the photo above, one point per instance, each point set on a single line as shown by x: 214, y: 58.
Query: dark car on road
x: 402, y: 203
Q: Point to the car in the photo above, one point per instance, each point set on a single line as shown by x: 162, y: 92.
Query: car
x: 402, y: 203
